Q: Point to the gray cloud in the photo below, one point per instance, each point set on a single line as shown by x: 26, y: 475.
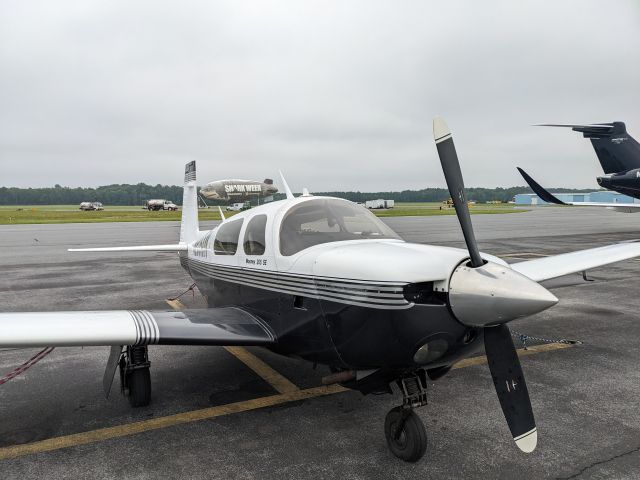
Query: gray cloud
x: 339, y: 95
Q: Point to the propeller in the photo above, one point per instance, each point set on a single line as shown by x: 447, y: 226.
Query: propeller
x: 488, y: 295
x: 455, y: 183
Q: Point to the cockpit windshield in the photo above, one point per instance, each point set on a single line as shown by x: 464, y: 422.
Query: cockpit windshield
x: 326, y: 220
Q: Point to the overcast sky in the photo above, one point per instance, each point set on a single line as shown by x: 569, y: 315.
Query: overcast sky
x: 339, y: 95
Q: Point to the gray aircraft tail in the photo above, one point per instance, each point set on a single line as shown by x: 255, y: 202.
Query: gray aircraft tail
x: 616, y: 149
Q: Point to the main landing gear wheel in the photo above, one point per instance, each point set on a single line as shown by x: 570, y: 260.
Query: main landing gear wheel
x: 136, y: 376
x: 406, y: 435
x: 139, y: 383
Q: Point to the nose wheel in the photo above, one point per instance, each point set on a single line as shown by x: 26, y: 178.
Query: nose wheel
x: 406, y: 435
x: 403, y: 429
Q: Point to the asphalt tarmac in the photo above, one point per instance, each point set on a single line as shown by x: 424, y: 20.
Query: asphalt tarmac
x: 217, y: 413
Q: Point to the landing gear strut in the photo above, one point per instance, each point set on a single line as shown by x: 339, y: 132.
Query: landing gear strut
x: 405, y: 432
x: 135, y: 378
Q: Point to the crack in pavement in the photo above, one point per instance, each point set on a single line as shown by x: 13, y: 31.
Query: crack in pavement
x: 601, y: 462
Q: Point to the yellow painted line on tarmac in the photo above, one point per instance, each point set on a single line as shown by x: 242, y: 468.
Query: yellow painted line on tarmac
x: 175, y: 304
x: 278, y: 381
x: 119, y: 431
x: 268, y: 374
x: 481, y: 360
x: 108, y: 433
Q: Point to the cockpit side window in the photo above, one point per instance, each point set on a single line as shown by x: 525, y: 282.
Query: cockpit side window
x: 328, y: 220
x: 226, y: 242
x: 254, y: 236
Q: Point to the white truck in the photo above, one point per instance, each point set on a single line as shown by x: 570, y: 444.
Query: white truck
x: 160, y: 204
x: 379, y: 203
x: 91, y: 206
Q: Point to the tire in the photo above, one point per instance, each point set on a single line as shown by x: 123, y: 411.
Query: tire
x: 412, y: 443
x: 139, y: 383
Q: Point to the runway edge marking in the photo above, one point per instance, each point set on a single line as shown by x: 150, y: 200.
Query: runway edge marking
x: 278, y: 381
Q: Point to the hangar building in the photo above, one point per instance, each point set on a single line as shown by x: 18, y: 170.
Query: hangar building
x: 604, y: 196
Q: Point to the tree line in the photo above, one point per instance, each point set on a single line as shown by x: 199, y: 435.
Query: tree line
x: 125, y: 194
x: 122, y: 194
x: 480, y: 195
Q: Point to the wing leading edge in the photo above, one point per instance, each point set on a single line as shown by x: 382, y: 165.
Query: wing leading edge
x: 566, y: 263
x: 140, y: 248
x: 213, y: 326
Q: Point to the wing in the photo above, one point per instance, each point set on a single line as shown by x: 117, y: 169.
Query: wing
x: 141, y: 248
x: 566, y: 263
x: 211, y: 326
x: 550, y: 198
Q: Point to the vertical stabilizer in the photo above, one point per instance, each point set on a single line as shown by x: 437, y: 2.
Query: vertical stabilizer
x: 189, y: 227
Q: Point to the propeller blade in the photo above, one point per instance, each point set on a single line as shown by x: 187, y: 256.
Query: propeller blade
x: 511, y: 386
x: 455, y: 183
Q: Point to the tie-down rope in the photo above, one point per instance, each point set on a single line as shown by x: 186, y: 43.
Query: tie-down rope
x: 26, y: 365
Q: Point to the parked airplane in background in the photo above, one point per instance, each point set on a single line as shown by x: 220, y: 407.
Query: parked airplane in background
x: 323, y: 279
x: 619, y: 155
x: 238, y: 190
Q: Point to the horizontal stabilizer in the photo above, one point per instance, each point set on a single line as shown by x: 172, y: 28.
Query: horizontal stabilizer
x: 209, y: 326
x: 141, y: 248
x: 596, y: 130
x: 617, y: 151
x: 574, y: 125
x: 566, y: 263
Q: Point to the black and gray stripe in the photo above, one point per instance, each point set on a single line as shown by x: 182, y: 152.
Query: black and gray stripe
x: 147, y: 332
x: 443, y: 138
x: 381, y: 295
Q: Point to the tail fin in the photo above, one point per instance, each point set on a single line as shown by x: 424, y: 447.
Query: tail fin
x: 616, y: 149
x: 189, y: 227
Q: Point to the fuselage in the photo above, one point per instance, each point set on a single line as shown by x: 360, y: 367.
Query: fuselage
x: 343, y: 291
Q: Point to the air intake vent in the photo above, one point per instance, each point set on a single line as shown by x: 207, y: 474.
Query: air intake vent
x: 423, y: 294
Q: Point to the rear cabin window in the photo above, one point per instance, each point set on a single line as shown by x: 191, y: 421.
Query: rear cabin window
x: 226, y: 242
x: 328, y: 220
x: 254, y: 236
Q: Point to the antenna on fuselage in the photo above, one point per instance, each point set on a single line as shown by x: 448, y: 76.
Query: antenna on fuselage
x: 221, y: 214
x: 287, y: 190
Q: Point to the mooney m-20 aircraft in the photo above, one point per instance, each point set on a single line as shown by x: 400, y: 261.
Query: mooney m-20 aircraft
x: 619, y: 155
x: 323, y: 279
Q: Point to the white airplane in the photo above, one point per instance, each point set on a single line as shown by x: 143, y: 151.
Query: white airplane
x: 323, y: 279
